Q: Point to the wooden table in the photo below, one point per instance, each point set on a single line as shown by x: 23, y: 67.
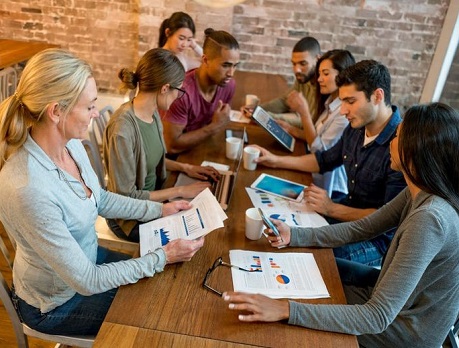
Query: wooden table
x: 13, y: 52
x: 173, y: 308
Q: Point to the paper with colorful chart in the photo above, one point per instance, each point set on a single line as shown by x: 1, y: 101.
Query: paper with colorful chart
x: 292, y: 213
x: 279, y: 275
x: 205, y: 216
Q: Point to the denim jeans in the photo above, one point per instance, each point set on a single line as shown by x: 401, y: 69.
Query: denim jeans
x: 364, y: 252
x: 356, y: 274
x: 81, y: 315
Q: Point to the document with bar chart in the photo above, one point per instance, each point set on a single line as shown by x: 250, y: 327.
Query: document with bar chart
x: 204, y: 216
x: 279, y: 275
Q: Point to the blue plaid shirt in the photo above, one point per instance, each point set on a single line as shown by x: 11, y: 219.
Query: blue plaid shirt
x: 370, y: 180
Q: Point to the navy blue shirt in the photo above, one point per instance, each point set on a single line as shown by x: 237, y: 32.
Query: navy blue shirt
x: 370, y: 180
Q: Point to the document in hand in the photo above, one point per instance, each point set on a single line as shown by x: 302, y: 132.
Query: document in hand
x: 279, y: 275
x: 204, y: 216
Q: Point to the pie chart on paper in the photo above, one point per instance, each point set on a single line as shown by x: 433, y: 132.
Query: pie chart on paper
x: 282, y: 279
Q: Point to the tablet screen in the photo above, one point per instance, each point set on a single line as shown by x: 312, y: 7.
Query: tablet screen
x: 279, y: 187
x: 268, y: 123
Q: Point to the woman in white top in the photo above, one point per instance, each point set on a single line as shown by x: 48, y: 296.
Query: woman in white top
x: 330, y: 125
x: 176, y: 34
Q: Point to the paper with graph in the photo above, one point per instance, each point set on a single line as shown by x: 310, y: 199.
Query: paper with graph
x: 205, y: 216
x: 279, y: 275
x: 292, y: 213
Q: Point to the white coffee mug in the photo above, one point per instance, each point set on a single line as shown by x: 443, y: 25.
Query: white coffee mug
x: 232, y: 147
x: 250, y: 154
x: 253, y: 224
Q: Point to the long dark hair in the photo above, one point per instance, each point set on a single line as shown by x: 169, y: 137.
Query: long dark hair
x: 341, y: 59
x: 175, y: 22
x: 428, y: 147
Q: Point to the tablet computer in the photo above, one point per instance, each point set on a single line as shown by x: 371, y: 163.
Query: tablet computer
x: 279, y: 187
x: 265, y: 120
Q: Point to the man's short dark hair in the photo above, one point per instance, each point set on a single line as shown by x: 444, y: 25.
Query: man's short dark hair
x: 308, y: 44
x: 367, y: 75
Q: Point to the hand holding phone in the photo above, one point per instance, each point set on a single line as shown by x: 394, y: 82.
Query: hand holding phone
x: 269, y: 224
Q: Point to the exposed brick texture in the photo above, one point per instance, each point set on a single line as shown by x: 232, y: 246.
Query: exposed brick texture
x: 112, y: 34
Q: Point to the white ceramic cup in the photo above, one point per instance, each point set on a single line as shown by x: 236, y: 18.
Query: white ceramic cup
x: 232, y: 147
x: 250, y: 154
x: 253, y: 224
x: 251, y: 100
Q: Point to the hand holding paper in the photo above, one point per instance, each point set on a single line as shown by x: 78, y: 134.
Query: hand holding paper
x: 204, y: 216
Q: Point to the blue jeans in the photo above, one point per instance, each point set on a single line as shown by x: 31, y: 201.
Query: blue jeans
x: 355, y: 274
x: 364, y: 252
x: 81, y: 315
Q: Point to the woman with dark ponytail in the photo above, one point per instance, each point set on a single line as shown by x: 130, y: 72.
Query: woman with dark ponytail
x: 176, y: 34
x: 134, y: 148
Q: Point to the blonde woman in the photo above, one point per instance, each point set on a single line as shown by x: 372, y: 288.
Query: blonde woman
x: 50, y: 198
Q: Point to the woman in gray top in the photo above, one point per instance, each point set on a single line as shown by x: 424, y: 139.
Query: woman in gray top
x: 414, y: 299
x: 50, y: 198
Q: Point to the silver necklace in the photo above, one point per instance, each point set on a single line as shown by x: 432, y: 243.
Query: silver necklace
x: 80, y: 179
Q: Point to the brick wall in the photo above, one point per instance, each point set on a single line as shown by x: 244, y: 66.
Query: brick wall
x: 111, y: 34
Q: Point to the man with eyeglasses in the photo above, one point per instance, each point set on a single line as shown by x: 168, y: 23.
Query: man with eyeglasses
x: 204, y: 109
x: 305, y: 54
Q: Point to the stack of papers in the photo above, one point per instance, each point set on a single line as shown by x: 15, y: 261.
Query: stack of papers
x: 278, y: 275
x: 237, y: 116
x: 205, y: 216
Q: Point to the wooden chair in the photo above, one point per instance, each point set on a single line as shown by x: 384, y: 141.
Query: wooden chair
x: 8, y: 82
x: 106, y: 237
x: 21, y: 330
x: 98, y: 124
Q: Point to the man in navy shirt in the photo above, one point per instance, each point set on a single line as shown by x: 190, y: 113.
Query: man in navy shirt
x: 364, y: 89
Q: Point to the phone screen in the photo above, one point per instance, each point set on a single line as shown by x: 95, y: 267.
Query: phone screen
x: 268, y: 223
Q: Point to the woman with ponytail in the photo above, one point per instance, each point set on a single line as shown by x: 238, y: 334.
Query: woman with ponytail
x: 134, y: 148
x: 176, y: 34
x: 50, y: 198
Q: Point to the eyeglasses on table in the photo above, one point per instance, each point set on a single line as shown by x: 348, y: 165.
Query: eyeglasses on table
x: 219, y: 262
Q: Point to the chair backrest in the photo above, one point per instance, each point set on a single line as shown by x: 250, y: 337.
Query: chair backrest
x: 8, y: 82
x: 21, y: 330
x: 96, y: 160
x: 98, y: 124
x: 453, y: 334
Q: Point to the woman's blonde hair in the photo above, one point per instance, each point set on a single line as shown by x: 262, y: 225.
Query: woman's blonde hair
x: 51, y: 76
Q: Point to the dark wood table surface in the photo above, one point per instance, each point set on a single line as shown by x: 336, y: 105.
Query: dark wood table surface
x: 174, y: 308
x: 14, y: 51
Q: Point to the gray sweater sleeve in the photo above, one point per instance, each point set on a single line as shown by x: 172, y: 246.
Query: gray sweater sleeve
x: 398, y: 286
x: 349, y: 232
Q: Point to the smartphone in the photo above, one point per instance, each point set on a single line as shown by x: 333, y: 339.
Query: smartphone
x: 268, y: 223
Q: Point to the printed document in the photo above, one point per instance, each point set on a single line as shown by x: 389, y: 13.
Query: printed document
x: 278, y: 275
x: 204, y: 216
x: 292, y: 213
